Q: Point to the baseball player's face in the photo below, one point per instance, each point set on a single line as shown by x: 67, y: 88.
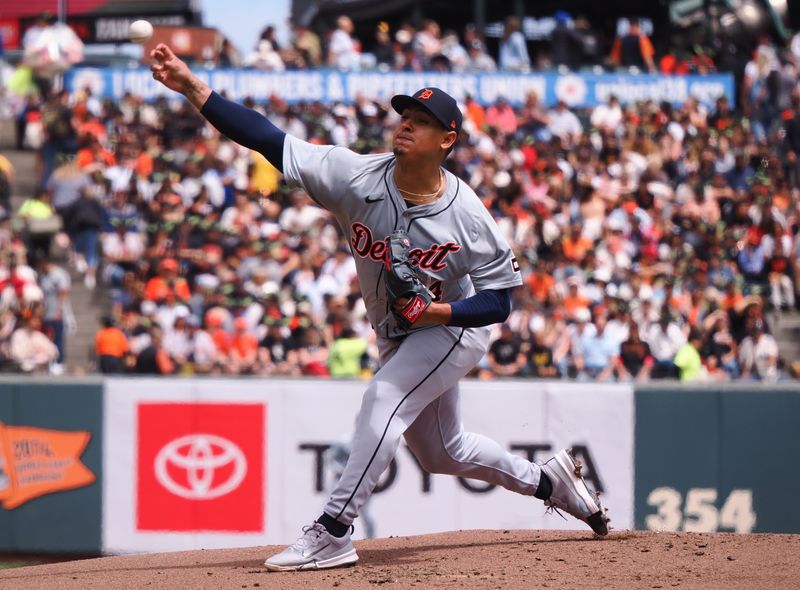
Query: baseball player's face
x: 419, y: 134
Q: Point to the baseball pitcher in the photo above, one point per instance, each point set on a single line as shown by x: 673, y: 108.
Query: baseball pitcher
x: 434, y: 272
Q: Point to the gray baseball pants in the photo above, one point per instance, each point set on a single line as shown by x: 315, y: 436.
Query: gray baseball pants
x: 415, y: 395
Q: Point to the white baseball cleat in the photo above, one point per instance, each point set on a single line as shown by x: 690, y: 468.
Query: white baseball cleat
x: 571, y: 494
x: 316, y: 549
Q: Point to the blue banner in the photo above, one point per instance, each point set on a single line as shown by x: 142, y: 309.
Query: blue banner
x: 328, y: 86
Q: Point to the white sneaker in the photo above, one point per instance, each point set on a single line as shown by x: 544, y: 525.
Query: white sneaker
x: 316, y: 549
x: 571, y: 494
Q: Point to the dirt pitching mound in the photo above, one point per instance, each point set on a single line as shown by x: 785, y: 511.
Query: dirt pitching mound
x: 465, y: 559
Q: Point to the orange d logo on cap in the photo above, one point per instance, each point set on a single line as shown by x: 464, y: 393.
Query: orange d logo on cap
x: 425, y: 94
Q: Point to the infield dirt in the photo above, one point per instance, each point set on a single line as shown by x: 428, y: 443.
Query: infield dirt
x: 464, y: 559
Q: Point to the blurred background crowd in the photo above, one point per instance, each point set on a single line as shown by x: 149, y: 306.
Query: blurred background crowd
x: 655, y: 241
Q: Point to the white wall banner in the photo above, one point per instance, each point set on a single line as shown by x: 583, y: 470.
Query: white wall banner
x: 224, y: 463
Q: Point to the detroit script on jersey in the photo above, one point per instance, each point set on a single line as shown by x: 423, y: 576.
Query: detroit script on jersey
x: 432, y: 258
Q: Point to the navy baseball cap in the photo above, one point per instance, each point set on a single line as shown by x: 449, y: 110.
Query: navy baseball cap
x: 437, y: 102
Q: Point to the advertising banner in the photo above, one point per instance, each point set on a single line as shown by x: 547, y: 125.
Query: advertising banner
x: 38, y: 461
x: 200, y: 467
x: 224, y: 463
x: 50, y: 466
x: 329, y: 86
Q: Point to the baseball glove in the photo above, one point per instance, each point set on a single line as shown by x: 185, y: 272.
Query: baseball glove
x: 408, y: 297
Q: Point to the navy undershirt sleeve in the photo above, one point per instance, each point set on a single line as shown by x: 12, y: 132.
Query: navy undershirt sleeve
x: 246, y: 127
x: 482, y: 309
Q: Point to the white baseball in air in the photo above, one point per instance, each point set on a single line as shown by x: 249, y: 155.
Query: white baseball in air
x: 140, y: 31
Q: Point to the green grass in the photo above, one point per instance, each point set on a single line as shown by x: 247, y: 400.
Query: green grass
x: 4, y: 565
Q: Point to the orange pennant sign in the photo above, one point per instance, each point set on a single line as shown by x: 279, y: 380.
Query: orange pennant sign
x: 38, y: 461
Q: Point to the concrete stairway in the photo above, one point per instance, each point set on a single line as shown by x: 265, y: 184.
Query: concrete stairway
x: 785, y: 326
x: 87, y: 305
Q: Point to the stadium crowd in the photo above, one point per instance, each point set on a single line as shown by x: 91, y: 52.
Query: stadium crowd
x: 652, y: 238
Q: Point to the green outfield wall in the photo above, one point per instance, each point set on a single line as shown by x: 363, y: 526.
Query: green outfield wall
x: 51, y: 445
x: 79, y: 458
x: 717, y: 459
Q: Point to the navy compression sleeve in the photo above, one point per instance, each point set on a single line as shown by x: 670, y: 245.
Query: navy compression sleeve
x: 482, y: 309
x: 246, y: 127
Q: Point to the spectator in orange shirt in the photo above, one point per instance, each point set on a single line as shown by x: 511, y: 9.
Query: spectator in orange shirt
x: 244, y: 348
x: 475, y: 112
x: 574, y: 300
x: 541, y: 283
x: 92, y: 152
x: 575, y: 245
x: 220, y: 337
x: 110, y: 347
x: 167, y: 282
x: 634, y: 50
x: 733, y: 297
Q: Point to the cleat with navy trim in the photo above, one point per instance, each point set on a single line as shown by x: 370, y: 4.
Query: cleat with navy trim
x: 571, y: 494
x: 316, y: 549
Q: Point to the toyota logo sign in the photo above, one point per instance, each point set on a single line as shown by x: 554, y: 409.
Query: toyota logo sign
x: 200, y: 457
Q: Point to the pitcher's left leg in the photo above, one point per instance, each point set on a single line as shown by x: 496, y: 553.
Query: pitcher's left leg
x: 441, y: 445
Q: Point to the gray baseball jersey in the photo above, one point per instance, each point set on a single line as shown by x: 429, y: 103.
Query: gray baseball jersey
x: 456, y: 245
x: 459, y: 251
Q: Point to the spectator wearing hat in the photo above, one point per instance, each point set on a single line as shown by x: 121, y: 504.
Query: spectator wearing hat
x: 758, y: 354
x: 110, y: 347
x: 505, y: 355
x: 41, y: 223
x: 153, y: 359
x: 166, y: 283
